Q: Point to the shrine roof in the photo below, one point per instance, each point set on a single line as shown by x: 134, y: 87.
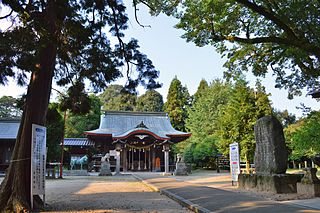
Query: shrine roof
x: 77, y: 142
x: 9, y: 128
x: 122, y: 124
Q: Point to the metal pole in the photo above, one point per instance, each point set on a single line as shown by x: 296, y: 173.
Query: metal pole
x: 62, y: 144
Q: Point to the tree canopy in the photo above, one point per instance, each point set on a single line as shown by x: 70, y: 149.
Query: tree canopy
x: 9, y: 107
x: 262, y: 36
x: 115, y: 97
x: 70, y: 42
x: 151, y: 101
x: 178, y: 100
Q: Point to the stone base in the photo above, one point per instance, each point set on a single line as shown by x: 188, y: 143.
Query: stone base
x: 181, y: 169
x: 309, y: 190
x: 275, y: 183
x: 166, y: 174
x: 105, y: 170
x: 75, y: 173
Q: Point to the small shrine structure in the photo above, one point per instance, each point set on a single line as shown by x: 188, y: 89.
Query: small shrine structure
x: 139, y: 140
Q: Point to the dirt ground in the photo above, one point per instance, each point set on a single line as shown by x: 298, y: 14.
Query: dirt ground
x: 105, y: 194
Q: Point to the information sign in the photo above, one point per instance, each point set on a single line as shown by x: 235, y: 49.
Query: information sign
x: 38, y: 161
x: 234, y: 161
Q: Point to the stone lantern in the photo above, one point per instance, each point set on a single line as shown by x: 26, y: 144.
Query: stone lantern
x: 118, y: 148
x: 166, y: 149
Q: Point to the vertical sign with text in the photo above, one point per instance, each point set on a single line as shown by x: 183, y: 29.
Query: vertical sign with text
x: 38, y: 161
x: 234, y: 161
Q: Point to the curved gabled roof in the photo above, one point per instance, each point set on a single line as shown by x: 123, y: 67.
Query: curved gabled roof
x: 120, y: 125
x: 9, y: 128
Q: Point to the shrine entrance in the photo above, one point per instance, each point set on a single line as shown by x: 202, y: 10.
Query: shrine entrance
x: 141, y: 140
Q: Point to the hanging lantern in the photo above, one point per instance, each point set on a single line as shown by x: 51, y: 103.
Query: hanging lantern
x: 118, y: 147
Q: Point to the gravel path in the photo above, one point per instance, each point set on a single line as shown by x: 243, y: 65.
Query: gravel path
x: 106, y: 194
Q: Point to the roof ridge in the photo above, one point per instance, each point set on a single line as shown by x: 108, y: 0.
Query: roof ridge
x: 106, y: 112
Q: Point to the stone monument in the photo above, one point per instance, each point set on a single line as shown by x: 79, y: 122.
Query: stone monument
x: 181, y: 167
x: 270, y: 160
x: 271, y: 152
x: 105, y: 166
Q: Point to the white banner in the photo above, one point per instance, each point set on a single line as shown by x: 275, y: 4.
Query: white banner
x: 38, y: 160
x: 234, y: 161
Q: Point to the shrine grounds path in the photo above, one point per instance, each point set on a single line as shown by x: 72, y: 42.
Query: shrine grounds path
x: 97, y: 194
x: 202, y: 191
x: 208, y: 191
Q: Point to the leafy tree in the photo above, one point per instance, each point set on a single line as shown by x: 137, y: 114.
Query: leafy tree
x: 54, y: 124
x: 67, y: 41
x: 237, y: 118
x: 258, y: 35
x: 178, y: 100
x: 115, y: 97
x: 305, y: 141
x: 151, y: 101
x: 201, y: 88
x: 202, y: 122
x: 9, y: 108
x: 289, y: 132
x: 77, y: 124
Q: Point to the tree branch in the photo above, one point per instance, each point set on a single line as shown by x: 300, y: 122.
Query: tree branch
x: 269, y: 15
x: 136, y: 16
x: 6, y: 16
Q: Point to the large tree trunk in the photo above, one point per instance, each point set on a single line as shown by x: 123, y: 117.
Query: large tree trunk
x: 15, y: 189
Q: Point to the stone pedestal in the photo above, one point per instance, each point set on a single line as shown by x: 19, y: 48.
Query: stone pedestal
x: 181, y: 169
x: 309, y: 190
x: 310, y: 184
x: 105, y: 169
x: 275, y: 183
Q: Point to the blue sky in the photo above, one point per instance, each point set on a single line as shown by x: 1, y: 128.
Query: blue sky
x: 173, y: 56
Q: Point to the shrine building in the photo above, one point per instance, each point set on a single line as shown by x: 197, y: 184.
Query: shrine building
x: 141, y: 139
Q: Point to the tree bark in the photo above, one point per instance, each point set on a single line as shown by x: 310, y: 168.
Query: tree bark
x: 15, y: 189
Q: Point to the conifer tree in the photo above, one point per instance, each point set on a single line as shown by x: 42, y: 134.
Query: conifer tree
x: 178, y: 101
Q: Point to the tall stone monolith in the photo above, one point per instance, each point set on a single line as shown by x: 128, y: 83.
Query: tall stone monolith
x: 270, y: 160
x: 271, y: 153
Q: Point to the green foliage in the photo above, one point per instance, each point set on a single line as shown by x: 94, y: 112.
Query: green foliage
x: 76, y: 100
x: 305, y: 141
x: 280, y: 36
x: 203, y: 114
x: 289, y: 132
x: 151, y: 101
x: 80, y: 39
x: 54, y: 124
x: 202, y: 117
x: 178, y: 101
x: 9, y: 107
x: 116, y: 98
x: 77, y: 124
x: 203, y: 85
x: 237, y: 118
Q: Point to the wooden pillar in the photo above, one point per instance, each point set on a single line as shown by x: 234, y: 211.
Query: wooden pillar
x: 124, y: 160
x: 132, y: 154
x: 139, y: 165
x: 153, y: 159
x: 129, y: 158
x: 149, y: 162
x: 145, y: 159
